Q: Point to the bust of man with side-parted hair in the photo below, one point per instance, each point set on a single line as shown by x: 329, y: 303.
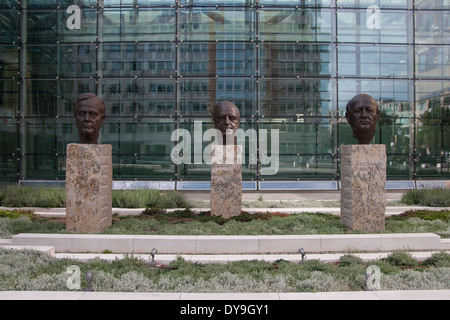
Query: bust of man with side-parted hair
x: 89, y: 112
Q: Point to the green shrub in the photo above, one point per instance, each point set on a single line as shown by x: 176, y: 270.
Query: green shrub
x: 441, y: 259
x: 427, y: 197
x: 401, y: 259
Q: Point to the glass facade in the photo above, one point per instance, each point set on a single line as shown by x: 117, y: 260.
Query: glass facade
x: 161, y: 65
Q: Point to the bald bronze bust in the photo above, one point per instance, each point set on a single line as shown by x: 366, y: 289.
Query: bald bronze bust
x: 362, y: 114
x: 89, y: 112
x: 226, y: 119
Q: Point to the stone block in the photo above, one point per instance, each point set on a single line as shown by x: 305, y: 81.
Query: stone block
x: 88, y: 187
x: 363, y: 183
x: 226, y: 181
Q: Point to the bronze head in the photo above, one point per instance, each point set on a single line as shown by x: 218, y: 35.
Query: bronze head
x: 89, y: 112
x: 363, y: 114
x: 226, y: 119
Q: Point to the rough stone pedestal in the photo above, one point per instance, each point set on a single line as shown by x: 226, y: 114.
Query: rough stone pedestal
x: 363, y: 187
x: 226, y: 181
x: 88, y: 187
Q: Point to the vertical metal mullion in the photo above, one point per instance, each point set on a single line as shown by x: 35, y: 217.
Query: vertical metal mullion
x: 414, y: 151
x: 258, y: 90
x: 22, y: 108
x: 336, y: 87
x: 177, y: 84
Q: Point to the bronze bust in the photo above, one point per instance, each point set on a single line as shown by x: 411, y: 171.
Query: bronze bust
x: 226, y: 119
x: 362, y: 113
x: 89, y: 112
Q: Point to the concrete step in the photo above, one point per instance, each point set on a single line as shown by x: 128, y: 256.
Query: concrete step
x: 141, y: 244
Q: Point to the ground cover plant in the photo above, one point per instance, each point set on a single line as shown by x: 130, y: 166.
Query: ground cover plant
x: 186, y: 222
x: 35, y: 271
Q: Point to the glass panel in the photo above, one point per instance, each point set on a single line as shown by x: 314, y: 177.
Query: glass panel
x: 430, y: 166
x: 432, y: 98
x: 8, y: 134
x: 432, y: 27
x: 9, y: 62
x: 199, y: 96
x: 433, y: 61
x: 295, y: 25
x: 304, y: 167
x: 400, y: 4
x: 139, y: 136
x: 8, y: 3
x: 42, y: 26
x: 397, y: 134
x: 9, y: 98
x: 139, y: 3
x: 221, y: 3
x: 432, y: 4
x: 395, y: 97
x: 67, y: 132
x: 9, y: 26
x: 41, y: 98
x: 295, y: 3
x: 215, y: 58
x: 39, y: 167
x: 77, y: 60
x: 139, y: 97
x: 295, y: 59
x: 374, y: 61
x: 8, y: 168
x: 143, y: 168
x: 305, y: 136
x: 429, y: 135
x: 399, y: 167
x: 296, y: 98
x: 154, y: 59
x: 358, y: 26
x: 214, y: 24
x: 40, y: 136
x: 139, y: 25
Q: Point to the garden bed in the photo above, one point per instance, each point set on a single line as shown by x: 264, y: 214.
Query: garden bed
x: 35, y: 271
x: 186, y: 222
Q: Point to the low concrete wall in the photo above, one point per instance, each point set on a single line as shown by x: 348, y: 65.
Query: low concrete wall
x: 75, y: 243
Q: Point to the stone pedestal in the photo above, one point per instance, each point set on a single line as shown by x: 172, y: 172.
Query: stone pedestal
x: 88, y: 187
x: 226, y: 181
x: 363, y: 187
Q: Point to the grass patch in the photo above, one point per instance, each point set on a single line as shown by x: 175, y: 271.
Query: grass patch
x: 35, y: 271
x: 19, y: 196
x: 427, y: 197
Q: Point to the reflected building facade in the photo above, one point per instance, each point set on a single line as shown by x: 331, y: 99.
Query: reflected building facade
x: 161, y: 65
